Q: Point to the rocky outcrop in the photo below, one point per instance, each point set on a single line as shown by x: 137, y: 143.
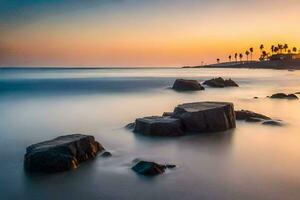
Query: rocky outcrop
x: 149, y: 168
x: 283, y: 96
x: 250, y: 116
x: 220, y: 83
x: 158, y: 126
x: 206, y: 116
x: 187, y: 85
x: 190, y: 117
x: 273, y: 123
x: 60, y: 154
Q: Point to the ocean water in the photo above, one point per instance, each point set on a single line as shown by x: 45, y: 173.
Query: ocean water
x: 252, y: 161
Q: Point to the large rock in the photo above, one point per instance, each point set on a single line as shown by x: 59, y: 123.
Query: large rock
x: 206, y: 116
x: 149, y: 168
x: 250, y: 116
x: 158, y: 126
x: 62, y: 153
x: 283, y: 96
x: 187, y: 85
x: 220, y: 83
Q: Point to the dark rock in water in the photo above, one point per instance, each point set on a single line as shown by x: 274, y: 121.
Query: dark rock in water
x: 106, y: 154
x: 62, y: 153
x: 249, y: 115
x: 130, y: 125
x: 220, y: 83
x: 149, y: 168
x: 255, y: 97
x: 158, y: 126
x: 206, y: 116
x: 253, y: 119
x: 272, y: 123
x: 283, y: 96
x: 187, y: 85
x: 167, y: 114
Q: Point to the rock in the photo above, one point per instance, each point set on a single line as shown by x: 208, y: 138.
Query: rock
x: 187, y: 85
x: 149, y: 168
x: 220, y: 83
x: 130, y: 125
x: 283, y: 96
x: 106, y: 154
x: 272, y: 123
x: 158, y: 126
x: 253, y: 119
x: 255, y: 97
x: 206, y: 116
x: 167, y: 114
x: 249, y: 115
x: 62, y: 153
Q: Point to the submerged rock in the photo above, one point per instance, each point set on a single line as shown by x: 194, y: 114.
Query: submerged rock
x: 149, y: 168
x: 272, y: 123
x: 249, y: 115
x: 206, y: 116
x: 158, y: 126
x: 62, y: 153
x: 220, y: 83
x: 283, y: 96
x: 130, y: 125
x: 187, y: 85
x: 106, y: 154
x: 253, y: 119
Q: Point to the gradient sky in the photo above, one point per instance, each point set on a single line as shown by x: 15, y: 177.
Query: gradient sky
x: 144, y: 33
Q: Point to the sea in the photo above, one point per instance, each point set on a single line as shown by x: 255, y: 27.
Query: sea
x: 252, y: 161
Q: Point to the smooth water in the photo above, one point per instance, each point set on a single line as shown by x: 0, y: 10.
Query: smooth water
x: 251, y: 162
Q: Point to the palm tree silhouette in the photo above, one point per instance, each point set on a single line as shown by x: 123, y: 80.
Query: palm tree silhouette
x: 280, y: 47
x: 218, y: 60
x: 251, y: 52
x: 241, y: 57
x: 285, y: 47
x: 247, y: 54
x: 235, y: 56
x: 276, y: 49
x: 229, y: 57
x: 261, y: 47
x: 295, y: 49
x: 264, y: 55
x: 272, y: 49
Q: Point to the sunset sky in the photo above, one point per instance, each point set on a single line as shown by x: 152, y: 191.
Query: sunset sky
x: 131, y: 33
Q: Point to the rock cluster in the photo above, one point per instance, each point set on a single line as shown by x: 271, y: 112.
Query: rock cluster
x: 250, y: 116
x: 190, y: 117
x: 283, y: 96
x: 220, y: 83
x: 61, y: 154
x: 187, y: 85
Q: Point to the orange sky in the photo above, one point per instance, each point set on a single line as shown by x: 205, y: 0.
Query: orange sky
x: 134, y: 33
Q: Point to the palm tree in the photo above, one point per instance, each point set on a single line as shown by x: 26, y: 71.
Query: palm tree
x: 241, y: 57
x: 229, y: 57
x: 276, y: 49
x: 247, y: 54
x: 261, y: 47
x: 289, y: 51
x: 294, y: 49
x: 280, y: 47
x: 218, y: 60
x: 235, y: 56
x: 272, y: 49
x: 251, y: 52
x: 264, y: 55
x: 285, y: 47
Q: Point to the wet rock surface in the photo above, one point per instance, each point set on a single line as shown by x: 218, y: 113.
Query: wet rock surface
x: 187, y: 85
x: 250, y: 115
x: 220, y: 83
x: 61, y: 154
x: 149, y: 168
x: 283, y: 96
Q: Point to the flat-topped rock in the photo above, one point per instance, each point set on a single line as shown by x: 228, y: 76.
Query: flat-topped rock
x: 284, y: 96
x: 158, y: 126
x: 206, y: 116
x: 220, y: 83
x: 62, y: 153
x: 187, y: 85
x: 250, y: 116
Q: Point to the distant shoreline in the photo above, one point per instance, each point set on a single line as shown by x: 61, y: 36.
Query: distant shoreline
x: 66, y: 68
x: 274, y: 64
